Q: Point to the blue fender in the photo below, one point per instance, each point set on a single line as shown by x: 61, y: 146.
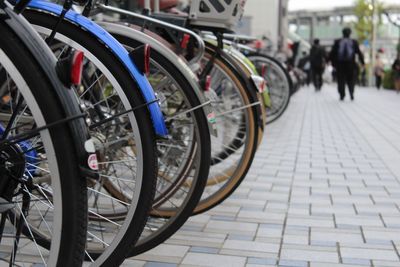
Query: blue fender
x: 119, y: 51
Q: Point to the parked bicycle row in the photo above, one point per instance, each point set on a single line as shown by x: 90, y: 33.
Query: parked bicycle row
x: 117, y: 126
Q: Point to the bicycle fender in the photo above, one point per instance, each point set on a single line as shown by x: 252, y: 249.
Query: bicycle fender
x: 119, y: 51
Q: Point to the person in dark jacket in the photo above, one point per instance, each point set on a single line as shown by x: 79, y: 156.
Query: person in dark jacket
x: 318, y: 62
x: 304, y: 65
x: 396, y: 74
x: 343, y: 58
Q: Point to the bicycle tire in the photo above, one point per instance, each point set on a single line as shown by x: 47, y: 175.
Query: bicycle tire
x: 176, y: 218
x: 72, y: 231
x: 132, y: 228
x: 239, y: 173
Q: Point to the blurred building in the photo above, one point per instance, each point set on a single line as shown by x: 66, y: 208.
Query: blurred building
x: 266, y: 18
x: 327, y: 26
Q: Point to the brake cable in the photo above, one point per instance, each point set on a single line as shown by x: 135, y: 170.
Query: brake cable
x: 87, y: 9
x: 66, y: 7
x: 24, y: 136
x: 210, y: 64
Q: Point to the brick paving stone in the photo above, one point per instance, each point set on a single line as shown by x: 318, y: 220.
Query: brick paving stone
x: 333, y: 209
x: 231, y: 227
x: 311, y: 221
x: 133, y: 263
x: 292, y: 263
x: 241, y: 237
x: 165, y: 253
x: 323, y: 191
x: 385, y: 263
x: 382, y: 234
x: 307, y: 255
x: 247, y: 253
x: 343, y: 237
x: 324, y: 264
x: 260, y: 217
x: 269, y: 232
x: 391, y: 221
x: 308, y: 248
x: 367, y: 254
x: 250, y: 246
x: 199, y: 259
x: 206, y: 250
x: 261, y: 261
x: 358, y: 220
x: 296, y: 239
x: 358, y: 262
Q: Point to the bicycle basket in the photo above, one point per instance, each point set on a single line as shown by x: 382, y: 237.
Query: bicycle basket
x: 216, y: 13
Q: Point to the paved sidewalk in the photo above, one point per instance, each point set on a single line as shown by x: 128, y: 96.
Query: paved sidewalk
x: 324, y: 191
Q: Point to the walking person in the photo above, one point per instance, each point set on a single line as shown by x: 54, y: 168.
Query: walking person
x: 318, y: 62
x: 343, y: 57
x: 379, y: 72
x: 304, y: 65
x: 396, y: 73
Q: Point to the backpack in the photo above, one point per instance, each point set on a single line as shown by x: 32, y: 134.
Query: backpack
x: 346, y: 50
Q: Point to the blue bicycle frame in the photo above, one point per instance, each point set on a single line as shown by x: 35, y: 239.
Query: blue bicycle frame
x: 119, y: 51
x: 31, y: 156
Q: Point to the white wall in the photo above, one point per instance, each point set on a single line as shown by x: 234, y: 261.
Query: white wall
x: 265, y: 17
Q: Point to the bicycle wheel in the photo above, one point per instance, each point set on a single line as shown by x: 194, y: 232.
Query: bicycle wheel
x: 30, y: 153
x: 183, y: 159
x: 122, y: 131
x: 237, y: 132
x: 248, y: 71
x: 278, y: 81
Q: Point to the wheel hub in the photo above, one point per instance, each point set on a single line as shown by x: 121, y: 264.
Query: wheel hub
x: 12, y: 169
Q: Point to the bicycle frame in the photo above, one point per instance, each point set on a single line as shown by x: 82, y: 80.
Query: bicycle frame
x: 119, y: 51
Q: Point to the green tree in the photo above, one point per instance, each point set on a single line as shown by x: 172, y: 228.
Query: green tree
x: 363, y: 10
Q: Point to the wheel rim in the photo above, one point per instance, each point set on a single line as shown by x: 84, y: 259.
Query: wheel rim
x: 279, y: 87
x: 44, y: 163
x: 225, y: 175
x: 105, y: 233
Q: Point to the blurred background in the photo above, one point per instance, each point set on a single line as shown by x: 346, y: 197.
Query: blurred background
x: 286, y: 28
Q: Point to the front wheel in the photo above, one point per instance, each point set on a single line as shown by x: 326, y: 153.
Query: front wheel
x: 27, y: 156
x: 121, y: 127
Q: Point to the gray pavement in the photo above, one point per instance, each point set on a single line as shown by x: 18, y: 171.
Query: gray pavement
x: 323, y: 191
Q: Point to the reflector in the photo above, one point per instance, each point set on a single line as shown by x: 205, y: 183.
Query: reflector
x: 76, y: 68
x: 185, y: 41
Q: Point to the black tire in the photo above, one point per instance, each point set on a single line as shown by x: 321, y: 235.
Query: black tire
x: 73, y: 186
x: 251, y: 143
x: 272, y: 63
x: 177, y: 218
x: 135, y: 226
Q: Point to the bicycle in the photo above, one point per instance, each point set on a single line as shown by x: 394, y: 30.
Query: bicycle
x: 38, y: 129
